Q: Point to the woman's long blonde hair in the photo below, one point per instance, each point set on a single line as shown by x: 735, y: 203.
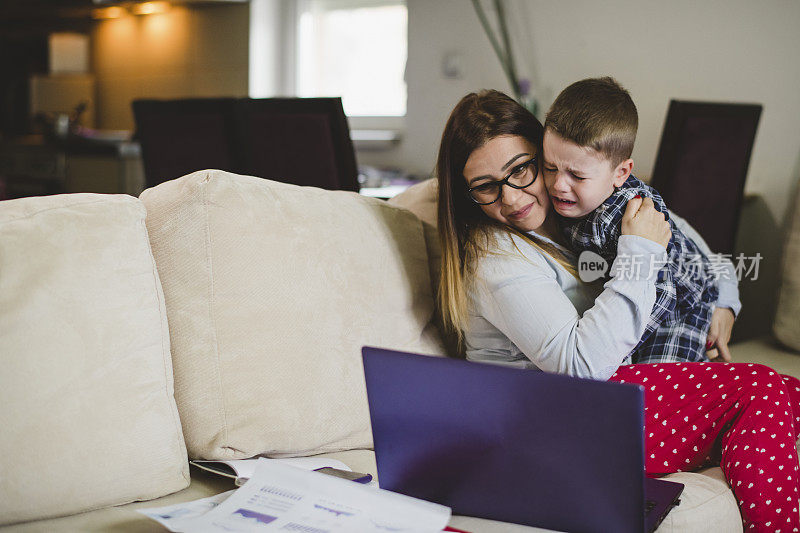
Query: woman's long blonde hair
x: 466, y: 233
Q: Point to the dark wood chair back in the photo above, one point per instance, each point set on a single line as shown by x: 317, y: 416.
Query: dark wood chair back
x: 701, y: 165
x: 180, y: 136
x: 304, y: 141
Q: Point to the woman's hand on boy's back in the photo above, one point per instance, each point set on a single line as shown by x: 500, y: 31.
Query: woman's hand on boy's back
x: 643, y: 219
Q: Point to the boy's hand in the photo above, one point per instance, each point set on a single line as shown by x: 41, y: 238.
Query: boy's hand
x: 719, y: 333
x: 643, y: 219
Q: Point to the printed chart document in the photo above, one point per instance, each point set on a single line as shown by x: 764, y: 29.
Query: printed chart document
x: 282, y: 497
x: 173, y: 517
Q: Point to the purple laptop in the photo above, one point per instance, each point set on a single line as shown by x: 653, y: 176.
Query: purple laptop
x: 513, y: 445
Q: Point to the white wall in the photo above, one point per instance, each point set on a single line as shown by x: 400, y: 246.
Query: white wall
x: 725, y: 50
x: 435, y: 29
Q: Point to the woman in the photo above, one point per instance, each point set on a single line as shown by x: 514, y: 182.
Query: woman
x: 510, y: 291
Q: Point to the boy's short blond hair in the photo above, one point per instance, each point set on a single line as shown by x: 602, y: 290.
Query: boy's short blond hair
x: 597, y: 113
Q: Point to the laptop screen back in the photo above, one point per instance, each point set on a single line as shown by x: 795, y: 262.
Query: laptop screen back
x: 507, y: 444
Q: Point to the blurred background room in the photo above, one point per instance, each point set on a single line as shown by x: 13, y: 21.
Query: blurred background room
x: 70, y: 71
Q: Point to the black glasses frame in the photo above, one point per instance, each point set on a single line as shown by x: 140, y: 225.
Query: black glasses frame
x: 532, y: 161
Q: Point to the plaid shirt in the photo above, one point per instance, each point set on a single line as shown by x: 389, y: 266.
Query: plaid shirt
x: 686, y: 289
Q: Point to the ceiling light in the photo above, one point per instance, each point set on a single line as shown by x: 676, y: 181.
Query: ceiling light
x: 149, y: 8
x: 112, y: 12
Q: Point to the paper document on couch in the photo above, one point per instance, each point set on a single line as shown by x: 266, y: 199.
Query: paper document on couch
x: 173, y: 517
x: 242, y: 469
x: 282, y: 497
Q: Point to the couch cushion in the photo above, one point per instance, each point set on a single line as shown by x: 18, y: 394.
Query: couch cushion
x: 787, y: 323
x: 766, y: 351
x: 86, y: 408
x: 421, y: 199
x: 707, y: 506
x: 271, y: 291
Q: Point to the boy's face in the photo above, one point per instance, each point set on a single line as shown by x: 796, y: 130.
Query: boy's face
x: 579, y: 178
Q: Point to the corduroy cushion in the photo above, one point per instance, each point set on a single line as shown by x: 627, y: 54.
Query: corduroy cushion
x: 421, y: 200
x: 271, y: 291
x: 787, y: 317
x: 87, y: 414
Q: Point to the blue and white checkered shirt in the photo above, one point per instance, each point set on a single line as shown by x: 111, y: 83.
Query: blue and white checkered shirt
x: 686, y: 290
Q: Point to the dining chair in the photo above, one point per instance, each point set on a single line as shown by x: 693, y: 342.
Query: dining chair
x: 701, y: 166
x: 180, y: 136
x: 304, y: 141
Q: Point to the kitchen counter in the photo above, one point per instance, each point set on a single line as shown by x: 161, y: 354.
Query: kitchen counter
x: 35, y: 165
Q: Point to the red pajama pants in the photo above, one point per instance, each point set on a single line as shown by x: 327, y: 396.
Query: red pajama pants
x: 743, y: 417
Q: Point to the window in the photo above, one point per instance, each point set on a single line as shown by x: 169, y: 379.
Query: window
x: 355, y: 49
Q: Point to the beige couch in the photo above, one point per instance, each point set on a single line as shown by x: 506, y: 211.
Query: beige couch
x: 218, y: 316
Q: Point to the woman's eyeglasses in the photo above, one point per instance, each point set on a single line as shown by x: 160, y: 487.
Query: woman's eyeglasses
x: 521, y: 176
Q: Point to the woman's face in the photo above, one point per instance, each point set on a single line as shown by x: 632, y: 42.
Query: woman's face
x: 525, y: 209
